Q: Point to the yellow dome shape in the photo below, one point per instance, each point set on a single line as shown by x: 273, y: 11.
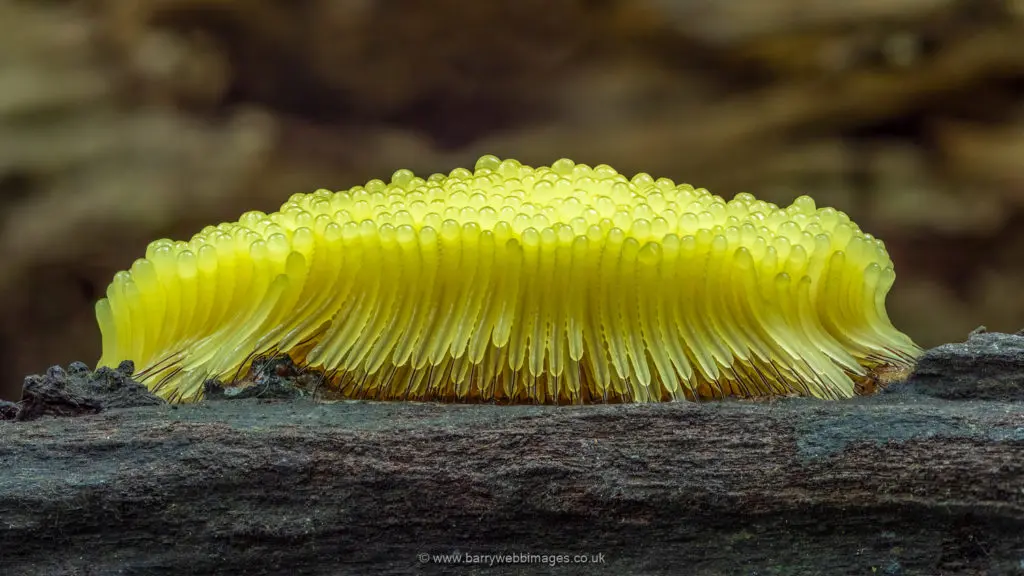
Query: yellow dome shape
x: 561, y: 284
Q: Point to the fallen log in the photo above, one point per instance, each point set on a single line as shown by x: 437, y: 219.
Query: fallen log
x: 897, y: 483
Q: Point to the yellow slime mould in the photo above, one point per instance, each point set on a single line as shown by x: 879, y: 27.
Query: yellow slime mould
x: 507, y: 283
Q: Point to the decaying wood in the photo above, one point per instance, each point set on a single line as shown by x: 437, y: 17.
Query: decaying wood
x: 897, y: 483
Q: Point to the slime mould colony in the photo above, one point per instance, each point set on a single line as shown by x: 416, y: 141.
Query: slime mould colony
x: 508, y: 283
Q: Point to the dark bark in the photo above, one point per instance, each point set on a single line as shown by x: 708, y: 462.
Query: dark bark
x: 897, y: 483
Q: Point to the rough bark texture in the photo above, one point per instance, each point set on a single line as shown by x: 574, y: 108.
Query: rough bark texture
x: 898, y: 483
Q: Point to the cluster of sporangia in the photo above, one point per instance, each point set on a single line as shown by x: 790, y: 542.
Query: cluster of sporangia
x: 559, y: 284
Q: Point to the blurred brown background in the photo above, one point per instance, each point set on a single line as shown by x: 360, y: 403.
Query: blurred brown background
x: 122, y: 122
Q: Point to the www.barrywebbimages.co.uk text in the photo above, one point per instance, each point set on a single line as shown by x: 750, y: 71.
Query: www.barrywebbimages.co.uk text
x: 512, y: 558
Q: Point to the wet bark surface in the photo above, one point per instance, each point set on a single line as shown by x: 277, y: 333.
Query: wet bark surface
x: 902, y: 482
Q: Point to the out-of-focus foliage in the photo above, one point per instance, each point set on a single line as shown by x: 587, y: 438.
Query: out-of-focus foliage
x: 121, y: 122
